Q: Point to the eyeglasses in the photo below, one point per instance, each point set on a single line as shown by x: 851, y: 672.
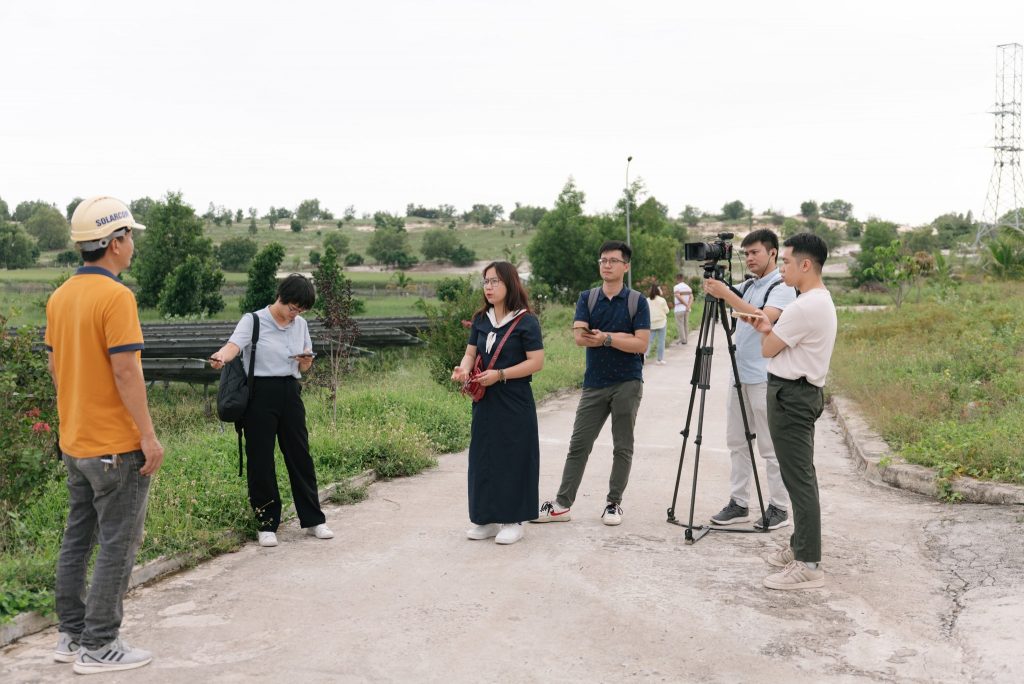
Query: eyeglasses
x: 492, y: 282
x: 292, y: 309
x: 610, y: 262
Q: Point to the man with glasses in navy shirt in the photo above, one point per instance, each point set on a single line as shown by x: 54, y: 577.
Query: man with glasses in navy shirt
x: 614, y: 326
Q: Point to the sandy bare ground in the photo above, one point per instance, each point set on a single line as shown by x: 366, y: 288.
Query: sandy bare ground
x: 917, y: 590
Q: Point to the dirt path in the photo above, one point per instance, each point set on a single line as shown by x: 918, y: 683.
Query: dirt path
x: 917, y: 590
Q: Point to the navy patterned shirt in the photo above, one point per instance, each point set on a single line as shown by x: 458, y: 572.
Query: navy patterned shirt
x: 607, y: 366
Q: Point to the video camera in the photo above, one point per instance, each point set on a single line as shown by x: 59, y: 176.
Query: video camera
x: 709, y: 251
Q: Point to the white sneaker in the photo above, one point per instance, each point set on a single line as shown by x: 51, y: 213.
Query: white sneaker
x: 484, y: 531
x: 510, y: 533
x: 267, y: 539
x: 661, y: 363
x: 321, y: 531
x: 612, y: 514
x: 550, y: 511
x: 67, y: 648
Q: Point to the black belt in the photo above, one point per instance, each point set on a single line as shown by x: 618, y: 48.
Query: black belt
x: 798, y: 381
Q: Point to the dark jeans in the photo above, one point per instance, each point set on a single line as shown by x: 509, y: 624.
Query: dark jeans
x: 107, y: 500
x: 793, y: 407
x: 621, y: 402
x: 276, y: 411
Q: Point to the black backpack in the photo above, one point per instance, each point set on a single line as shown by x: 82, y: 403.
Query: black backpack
x: 235, y: 389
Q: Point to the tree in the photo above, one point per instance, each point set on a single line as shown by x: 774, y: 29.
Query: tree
x: 462, y: 255
x: 837, y: 209
x: 174, y: 232
x: 261, y: 288
x: 235, y: 254
x: 308, y: 210
x: 953, y: 229
x: 484, y: 214
x: 74, y: 205
x: 5, y: 212
x: 809, y: 209
x: 17, y: 248
x: 438, y: 244
x: 389, y: 244
x: 353, y: 259
x: 563, y: 254
x: 48, y: 226
x: 876, y: 234
x: 192, y: 289
x: 339, y: 241
x: 691, y: 215
x: 314, y: 257
x: 526, y: 215
x: 653, y: 256
x: 140, y: 209
x: 24, y: 210
x: 891, y: 266
x: 854, y: 228
x: 733, y: 210
x: 238, y: 216
x: 335, y: 305
x: 349, y: 214
x: 651, y: 217
x: 69, y: 257
x: 296, y: 225
x: 383, y: 219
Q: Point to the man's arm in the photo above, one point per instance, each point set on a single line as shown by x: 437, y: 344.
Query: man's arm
x: 771, y: 344
x: 132, y: 388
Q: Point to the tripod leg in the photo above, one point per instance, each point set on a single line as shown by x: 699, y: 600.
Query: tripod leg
x: 743, y: 412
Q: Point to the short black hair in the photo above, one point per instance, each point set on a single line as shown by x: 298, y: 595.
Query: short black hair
x: 612, y: 245
x: 810, y: 246
x: 764, y: 236
x: 297, y: 289
x: 93, y: 255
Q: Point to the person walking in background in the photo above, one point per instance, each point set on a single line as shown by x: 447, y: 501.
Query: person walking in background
x: 284, y: 352
x: 765, y: 293
x: 683, y: 296
x: 107, y: 441
x: 799, y: 349
x: 659, y: 322
x: 614, y: 323
x: 504, y: 448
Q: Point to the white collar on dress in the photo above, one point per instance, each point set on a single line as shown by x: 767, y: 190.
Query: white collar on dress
x: 491, y: 336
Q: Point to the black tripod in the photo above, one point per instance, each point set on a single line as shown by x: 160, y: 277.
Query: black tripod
x: 714, y: 311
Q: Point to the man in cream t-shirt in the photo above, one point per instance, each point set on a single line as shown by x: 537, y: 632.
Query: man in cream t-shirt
x: 799, y: 348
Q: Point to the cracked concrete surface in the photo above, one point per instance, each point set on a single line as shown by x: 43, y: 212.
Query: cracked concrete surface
x: 916, y: 590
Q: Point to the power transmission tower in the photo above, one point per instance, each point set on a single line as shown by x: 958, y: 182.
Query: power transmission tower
x: 1006, y: 187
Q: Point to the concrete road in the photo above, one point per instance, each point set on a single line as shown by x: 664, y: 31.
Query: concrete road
x: 916, y: 590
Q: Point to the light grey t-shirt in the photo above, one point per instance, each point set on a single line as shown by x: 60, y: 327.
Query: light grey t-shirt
x: 275, y: 345
x: 752, y: 365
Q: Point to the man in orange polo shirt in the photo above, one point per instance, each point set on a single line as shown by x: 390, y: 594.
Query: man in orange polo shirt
x: 93, y: 344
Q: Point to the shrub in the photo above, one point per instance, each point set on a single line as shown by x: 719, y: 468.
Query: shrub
x: 447, y: 331
x: 354, y: 259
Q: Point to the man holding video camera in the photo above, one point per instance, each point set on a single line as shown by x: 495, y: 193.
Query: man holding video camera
x: 766, y: 293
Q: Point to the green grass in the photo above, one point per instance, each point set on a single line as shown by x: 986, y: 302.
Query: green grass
x: 391, y: 417
x: 942, y: 379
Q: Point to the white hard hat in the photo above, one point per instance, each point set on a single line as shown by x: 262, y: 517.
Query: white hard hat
x: 97, y: 219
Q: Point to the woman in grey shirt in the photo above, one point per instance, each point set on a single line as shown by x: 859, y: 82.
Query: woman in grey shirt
x: 284, y: 352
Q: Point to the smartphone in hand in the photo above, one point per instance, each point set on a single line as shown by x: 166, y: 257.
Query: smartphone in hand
x: 303, y: 355
x: 747, y: 316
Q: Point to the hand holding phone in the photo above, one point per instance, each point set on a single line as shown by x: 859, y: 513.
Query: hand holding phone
x: 303, y: 355
x: 750, y: 317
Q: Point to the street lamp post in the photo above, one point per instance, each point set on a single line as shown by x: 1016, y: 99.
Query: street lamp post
x: 629, y: 273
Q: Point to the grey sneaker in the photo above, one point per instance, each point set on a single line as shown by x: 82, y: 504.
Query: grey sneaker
x: 67, y: 648
x: 779, y: 558
x: 796, y: 575
x: 116, y: 655
x: 731, y: 514
x: 776, y: 518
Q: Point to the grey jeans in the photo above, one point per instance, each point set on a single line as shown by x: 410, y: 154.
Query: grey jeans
x: 621, y: 402
x: 107, y: 505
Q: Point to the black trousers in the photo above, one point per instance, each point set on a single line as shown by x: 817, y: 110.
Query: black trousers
x: 276, y: 411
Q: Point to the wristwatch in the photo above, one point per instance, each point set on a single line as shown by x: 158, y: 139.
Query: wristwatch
x: 607, y: 341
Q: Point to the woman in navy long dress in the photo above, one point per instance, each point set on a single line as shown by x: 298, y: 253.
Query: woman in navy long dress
x: 504, y: 450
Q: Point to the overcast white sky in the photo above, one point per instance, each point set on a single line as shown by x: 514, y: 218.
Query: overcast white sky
x: 378, y: 104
